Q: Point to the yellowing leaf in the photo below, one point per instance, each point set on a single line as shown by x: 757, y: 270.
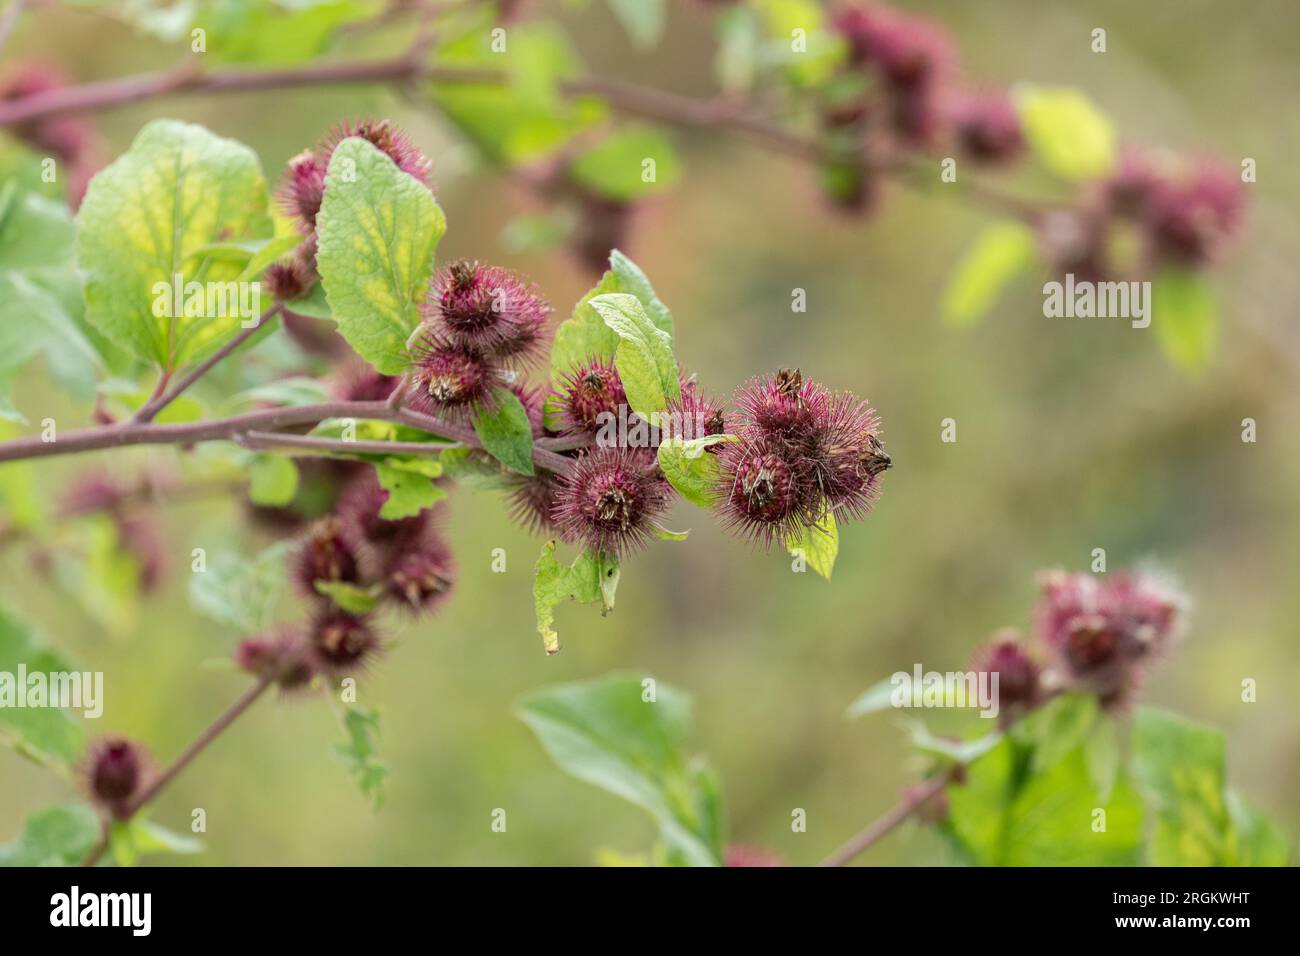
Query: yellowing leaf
x: 144, y: 222
x: 378, y: 229
x: 1066, y: 132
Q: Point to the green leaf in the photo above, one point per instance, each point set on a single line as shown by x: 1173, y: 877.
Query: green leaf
x: 1181, y: 768
x: 1104, y: 755
x: 524, y: 118
x: 875, y: 698
x: 1185, y: 315
x: 360, y: 752
x: 690, y: 469
x: 143, y: 222
x: 591, y: 578
x: 644, y: 357
x: 1058, y: 728
x: 272, y: 480
x: 349, y: 597
x: 505, y: 431
x: 378, y: 229
x: 947, y: 750
x: 241, y: 591
x: 46, y: 735
x: 617, y: 167
x: 1003, y: 251
x: 410, y: 487
x: 817, y: 544
x: 1066, y: 132
x: 585, y: 335
x: 57, y: 836
x: 605, y: 733
x: 254, y: 255
x: 1005, y: 814
x: 41, y: 311
x: 642, y: 19
x: 152, y: 839
x: 812, y: 67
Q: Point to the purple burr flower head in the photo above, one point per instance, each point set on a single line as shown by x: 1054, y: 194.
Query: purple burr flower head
x: 1018, y: 675
x: 488, y: 309
x: 589, y: 392
x: 611, y: 499
x: 1102, y: 632
x: 116, y: 772
x: 341, y: 642
x: 385, y: 136
x: 987, y: 127
x: 451, y: 379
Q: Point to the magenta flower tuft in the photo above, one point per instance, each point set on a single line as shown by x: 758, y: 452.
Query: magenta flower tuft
x: 1192, y: 217
x: 988, y: 127
x: 611, y: 499
x: 488, y: 309
x: 450, y: 379
x: 1005, y: 656
x: 117, y: 771
x: 302, y: 189
x: 1102, y: 632
x: 385, y: 136
x: 760, y: 496
x: 327, y: 554
x: 588, y: 393
x: 341, y: 642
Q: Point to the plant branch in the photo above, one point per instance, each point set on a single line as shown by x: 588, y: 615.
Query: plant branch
x: 313, y: 443
x: 893, y: 819
x: 262, y: 420
x: 149, y: 411
x: 201, y: 743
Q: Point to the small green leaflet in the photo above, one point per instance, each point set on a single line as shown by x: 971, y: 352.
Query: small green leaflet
x: 1003, y: 251
x: 232, y: 589
x: 591, y: 578
x: 505, y: 431
x: 256, y: 255
x: 410, y: 487
x: 875, y: 698
x: 584, y: 335
x: 628, y: 165
x: 644, y: 356
x: 690, y: 469
x: 817, y: 544
x: 46, y: 735
x: 1184, y: 311
x: 57, y: 836
x: 129, y: 840
x: 1066, y: 132
x: 378, y: 229
x: 360, y: 752
x: 349, y: 597
x: 610, y: 734
x: 272, y: 480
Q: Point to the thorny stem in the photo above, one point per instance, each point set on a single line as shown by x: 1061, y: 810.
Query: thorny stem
x: 891, y: 820
x: 211, y: 733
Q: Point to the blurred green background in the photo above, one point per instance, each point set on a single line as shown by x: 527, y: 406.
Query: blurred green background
x: 1071, y: 436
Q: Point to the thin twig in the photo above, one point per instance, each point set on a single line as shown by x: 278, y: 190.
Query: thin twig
x: 201, y: 743
x: 320, y: 445
x: 261, y: 420
x: 886, y: 824
x: 149, y: 411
